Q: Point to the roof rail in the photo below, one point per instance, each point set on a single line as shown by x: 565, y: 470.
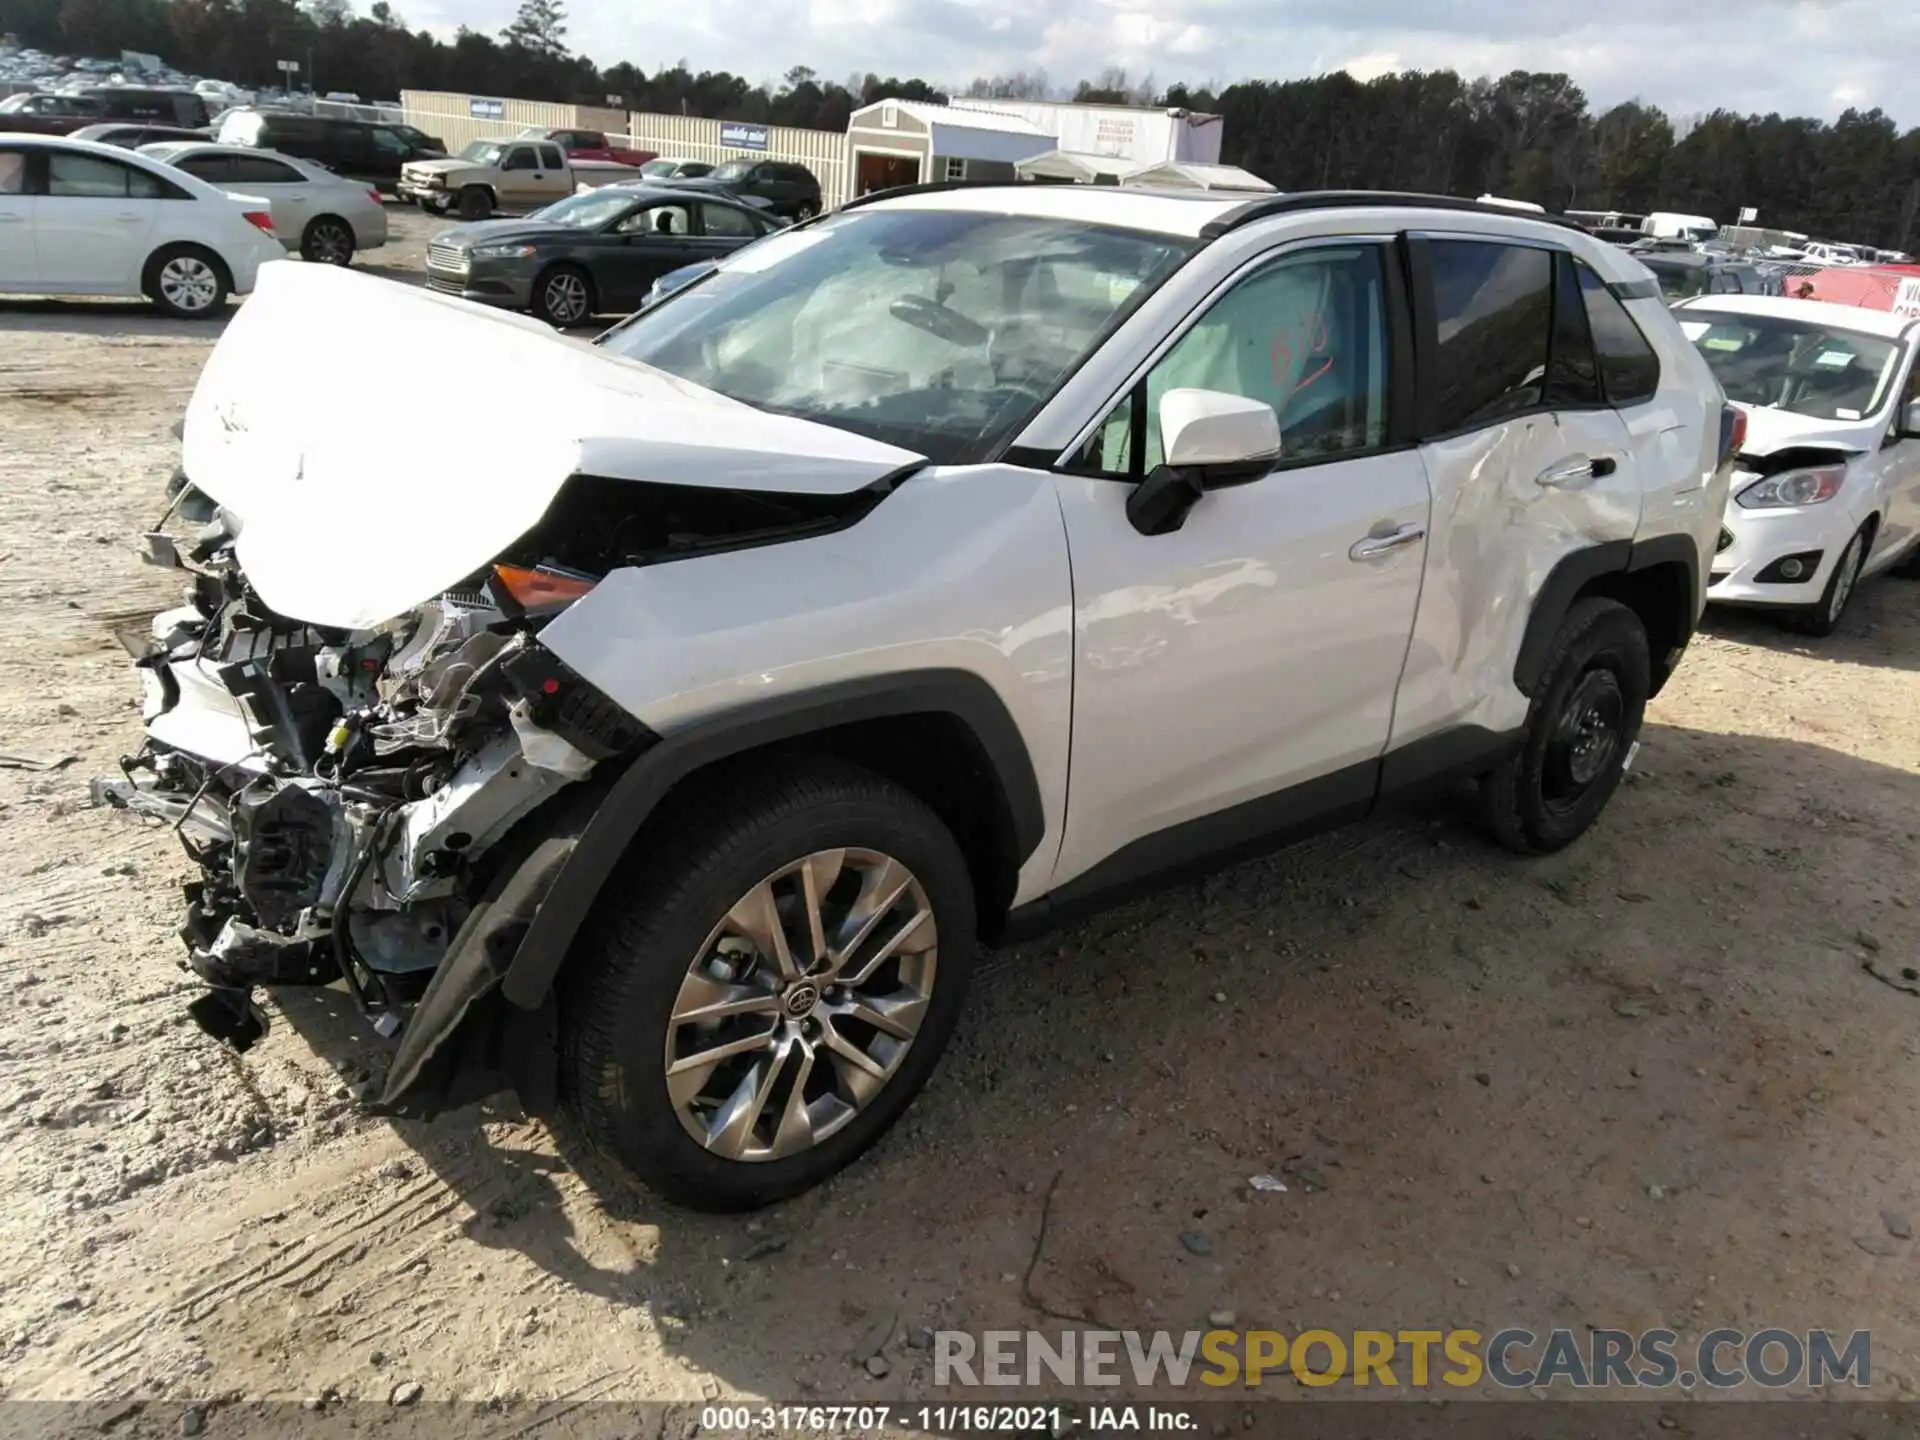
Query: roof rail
x: 1298, y: 200
x: 929, y: 187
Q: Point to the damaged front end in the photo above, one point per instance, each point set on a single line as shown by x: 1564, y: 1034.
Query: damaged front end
x: 354, y: 723
x: 347, y: 794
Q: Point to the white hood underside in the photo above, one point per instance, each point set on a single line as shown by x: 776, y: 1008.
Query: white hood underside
x: 381, y: 443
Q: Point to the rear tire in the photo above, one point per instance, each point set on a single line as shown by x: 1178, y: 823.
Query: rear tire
x: 670, y: 935
x: 1823, y: 618
x: 327, y: 240
x: 475, y: 203
x: 187, y: 282
x: 1582, y: 725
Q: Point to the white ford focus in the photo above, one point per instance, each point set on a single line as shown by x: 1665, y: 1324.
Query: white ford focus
x: 1827, y: 489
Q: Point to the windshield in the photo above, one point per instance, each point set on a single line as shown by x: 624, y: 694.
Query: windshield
x: 938, y: 331
x: 732, y: 170
x: 585, y: 212
x: 481, y: 152
x: 1823, y: 372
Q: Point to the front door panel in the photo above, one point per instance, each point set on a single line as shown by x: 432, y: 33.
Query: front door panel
x: 1243, y: 654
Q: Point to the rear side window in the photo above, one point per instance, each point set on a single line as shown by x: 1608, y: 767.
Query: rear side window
x: 725, y: 220
x: 259, y: 170
x: 1629, y: 370
x: 1493, y: 308
x: 551, y: 158
x: 214, y: 169
x: 13, y: 173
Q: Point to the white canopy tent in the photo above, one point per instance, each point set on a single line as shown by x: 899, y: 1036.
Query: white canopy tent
x: 1182, y: 175
x: 1076, y: 166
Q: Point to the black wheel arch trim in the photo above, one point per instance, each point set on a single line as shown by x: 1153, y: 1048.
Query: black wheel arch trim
x: 639, y: 790
x: 1576, y: 571
x: 485, y: 1021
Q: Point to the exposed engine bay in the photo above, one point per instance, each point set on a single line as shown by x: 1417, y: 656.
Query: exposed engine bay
x: 340, y: 790
x: 345, y: 792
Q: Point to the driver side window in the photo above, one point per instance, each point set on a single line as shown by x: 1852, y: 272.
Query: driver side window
x: 1306, y: 335
x: 655, y: 220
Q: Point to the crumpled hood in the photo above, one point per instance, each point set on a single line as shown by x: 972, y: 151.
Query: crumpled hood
x: 445, y: 165
x: 1769, y: 430
x: 404, y: 439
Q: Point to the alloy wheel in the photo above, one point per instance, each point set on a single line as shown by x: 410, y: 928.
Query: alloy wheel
x: 801, y: 1004
x: 566, y: 298
x: 330, y: 244
x: 1585, y: 741
x: 188, y: 283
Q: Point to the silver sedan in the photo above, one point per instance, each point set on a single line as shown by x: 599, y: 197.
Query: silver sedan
x: 321, y: 216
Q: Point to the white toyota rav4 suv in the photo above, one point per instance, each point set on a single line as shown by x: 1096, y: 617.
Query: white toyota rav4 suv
x: 927, y: 573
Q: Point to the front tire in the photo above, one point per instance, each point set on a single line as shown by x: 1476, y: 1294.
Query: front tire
x: 475, y: 203
x: 1582, y: 725
x: 1823, y: 617
x: 564, y: 296
x: 187, y: 282
x: 760, y: 994
x: 327, y: 240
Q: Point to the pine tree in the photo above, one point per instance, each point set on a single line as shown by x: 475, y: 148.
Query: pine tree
x: 540, y: 28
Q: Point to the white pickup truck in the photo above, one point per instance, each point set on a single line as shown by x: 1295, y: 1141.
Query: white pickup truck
x: 512, y: 177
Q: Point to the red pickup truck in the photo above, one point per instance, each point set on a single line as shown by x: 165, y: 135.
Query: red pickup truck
x: 590, y: 145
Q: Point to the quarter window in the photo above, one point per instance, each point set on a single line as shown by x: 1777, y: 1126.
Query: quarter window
x: 1629, y: 369
x: 1306, y: 335
x: 1493, y: 306
x: 551, y: 158
x: 13, y: 173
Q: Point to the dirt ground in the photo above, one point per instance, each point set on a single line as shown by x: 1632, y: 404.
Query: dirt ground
x: 1648, y: 1081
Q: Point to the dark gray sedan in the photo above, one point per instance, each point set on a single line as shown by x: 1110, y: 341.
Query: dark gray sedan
x: 594, y: 253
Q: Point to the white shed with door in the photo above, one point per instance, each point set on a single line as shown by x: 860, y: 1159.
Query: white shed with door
x: 912, y: 142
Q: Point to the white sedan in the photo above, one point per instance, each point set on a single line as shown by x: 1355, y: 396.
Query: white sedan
x: 1826, y: 489
x: 78, y: 218
x: 319, y: 215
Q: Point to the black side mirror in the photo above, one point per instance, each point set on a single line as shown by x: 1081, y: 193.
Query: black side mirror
x: 1159, y: 503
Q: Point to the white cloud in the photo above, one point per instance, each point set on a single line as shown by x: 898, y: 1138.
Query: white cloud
x: 1812, y: 57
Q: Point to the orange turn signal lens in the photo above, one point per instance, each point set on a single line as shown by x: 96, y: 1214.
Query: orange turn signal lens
x: 541, y: 589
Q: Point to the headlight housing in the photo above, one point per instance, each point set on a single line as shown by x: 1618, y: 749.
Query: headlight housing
x: 503, y: 252
x: 1813, y: 485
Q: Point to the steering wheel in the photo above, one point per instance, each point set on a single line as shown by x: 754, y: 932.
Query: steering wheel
x: 938, y: 321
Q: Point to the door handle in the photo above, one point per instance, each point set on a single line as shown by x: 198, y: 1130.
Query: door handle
x: 130, y: 219
x: 1576, y: 471
x: 11, y: 219
x: 1372, y: 547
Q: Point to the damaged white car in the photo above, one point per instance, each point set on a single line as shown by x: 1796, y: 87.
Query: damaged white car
x: 663, y: 748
